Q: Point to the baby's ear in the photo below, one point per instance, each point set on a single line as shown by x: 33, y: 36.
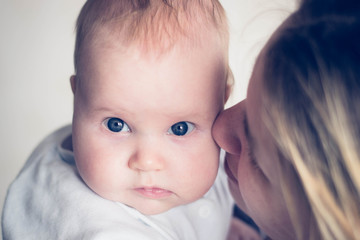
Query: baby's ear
x: 228, y: 91
x: 73, y: 79
x: 229, y: 85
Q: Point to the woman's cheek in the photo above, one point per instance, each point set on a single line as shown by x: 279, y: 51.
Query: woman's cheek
x: 235, y: 192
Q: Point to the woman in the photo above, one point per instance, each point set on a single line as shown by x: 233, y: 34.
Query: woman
x: 293, y: 146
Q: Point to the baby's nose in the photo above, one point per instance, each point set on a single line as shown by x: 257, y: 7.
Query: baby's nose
x: 147, y: 158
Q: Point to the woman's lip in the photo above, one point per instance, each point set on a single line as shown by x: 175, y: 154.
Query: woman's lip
x: 153, y: 192
x: 229, y: 172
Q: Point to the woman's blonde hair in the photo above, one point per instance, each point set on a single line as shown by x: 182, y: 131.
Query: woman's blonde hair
x: 312, y: 109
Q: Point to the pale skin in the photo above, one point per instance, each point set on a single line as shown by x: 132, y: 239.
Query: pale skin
x: 251, y: 153
x: 128, y: 105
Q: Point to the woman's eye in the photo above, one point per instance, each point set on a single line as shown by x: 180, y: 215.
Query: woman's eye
x: 117, y: 125
x: 181, y: 128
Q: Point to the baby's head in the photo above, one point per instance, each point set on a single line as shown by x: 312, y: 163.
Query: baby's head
x: 151, y: 77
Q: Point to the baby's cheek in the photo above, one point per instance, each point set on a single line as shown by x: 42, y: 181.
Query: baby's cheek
x: 97, y: 179
x: 91, y: 170
x: 208, y: 167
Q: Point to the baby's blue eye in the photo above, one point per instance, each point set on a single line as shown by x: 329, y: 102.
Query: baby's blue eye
x: 181, y: 128
x: 117, y: 125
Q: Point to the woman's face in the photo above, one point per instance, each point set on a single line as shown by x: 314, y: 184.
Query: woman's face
x: 252, y: 160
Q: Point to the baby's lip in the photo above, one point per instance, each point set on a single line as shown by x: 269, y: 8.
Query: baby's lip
x: 153, y: 192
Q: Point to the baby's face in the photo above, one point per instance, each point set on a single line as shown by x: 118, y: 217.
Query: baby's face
x: 142, y: 125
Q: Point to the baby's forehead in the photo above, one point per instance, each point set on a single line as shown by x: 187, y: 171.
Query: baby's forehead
x: 110, y: 37
x: 106, y: 42
x: 108, y: 54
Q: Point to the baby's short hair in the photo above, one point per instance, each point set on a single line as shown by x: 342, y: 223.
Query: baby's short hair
x: 151, y: 24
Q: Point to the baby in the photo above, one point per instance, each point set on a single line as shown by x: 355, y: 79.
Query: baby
x: 139, y: 161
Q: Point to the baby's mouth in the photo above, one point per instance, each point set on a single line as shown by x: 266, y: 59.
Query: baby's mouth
x: 153, y: 192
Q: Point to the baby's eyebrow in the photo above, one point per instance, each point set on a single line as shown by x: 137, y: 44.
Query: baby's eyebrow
x: 102, y: 110
x: 108, y: 106
x: 108, y: 110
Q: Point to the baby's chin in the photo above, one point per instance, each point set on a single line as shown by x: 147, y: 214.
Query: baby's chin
x: 147, y: 206
x: 152, y: 210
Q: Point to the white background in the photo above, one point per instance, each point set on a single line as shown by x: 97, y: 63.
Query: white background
x: 36, y: 61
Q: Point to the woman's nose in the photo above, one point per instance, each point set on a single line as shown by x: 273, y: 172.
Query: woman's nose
x: 147, y: 157
x: 228, y: 128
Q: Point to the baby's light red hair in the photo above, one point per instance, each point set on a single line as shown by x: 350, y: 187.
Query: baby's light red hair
x: 152, y: 25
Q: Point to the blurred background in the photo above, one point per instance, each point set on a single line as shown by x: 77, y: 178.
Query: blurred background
x: 36, y: 61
